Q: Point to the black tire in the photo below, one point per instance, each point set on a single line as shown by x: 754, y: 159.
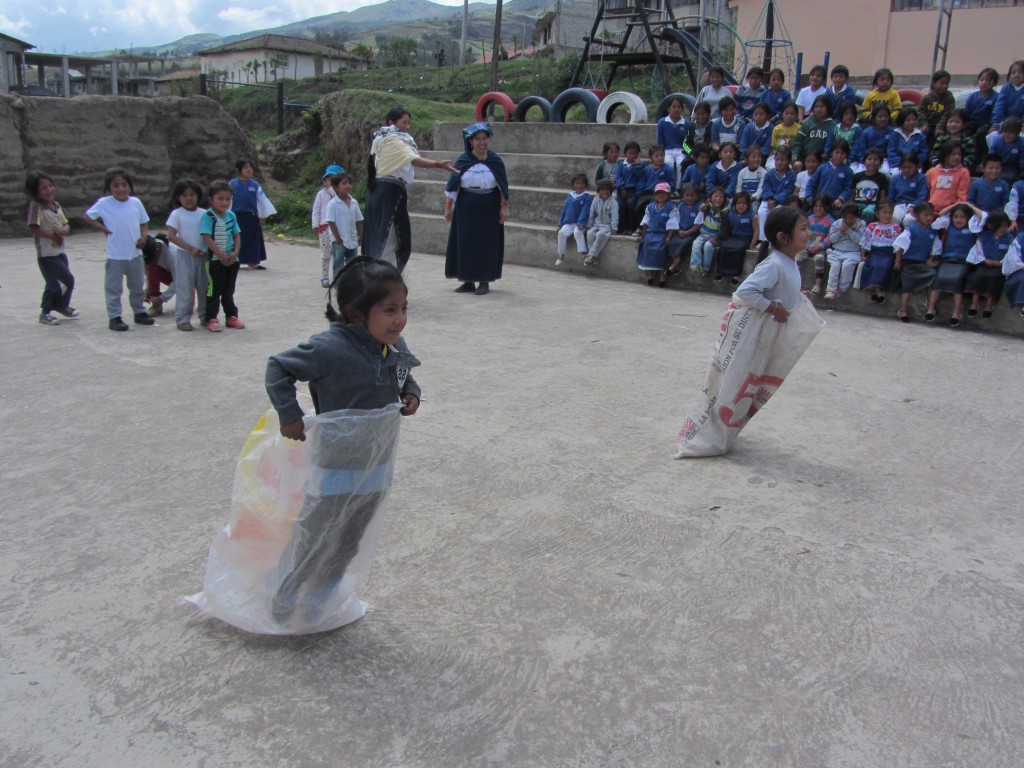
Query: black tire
x: 528, y: 102
x: 687, y: 99
x: 570, y: 96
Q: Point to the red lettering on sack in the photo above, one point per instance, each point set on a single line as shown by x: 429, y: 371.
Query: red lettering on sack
x: 758, y: 390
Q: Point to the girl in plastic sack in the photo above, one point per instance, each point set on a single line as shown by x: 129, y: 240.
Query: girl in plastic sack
x: 360, y: 363
x: 766, y: 329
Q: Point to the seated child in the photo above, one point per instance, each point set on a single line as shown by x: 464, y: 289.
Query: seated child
x: 723, y: 173
x: 955, y: 123
x: 834, y: 178
x: 1009, y: 145
x: 990, y: 192
x: 1013, y: 206
x: 608, y: 168
x: 907, y: 139
x: 882, y: 94
x: 628, y: 177
x: 844, y: 237
x: 602, y: 221
x: 914, y: 249
x: 842, y: 94
x: 785, y: 133
x: 870, y: 186
x: 815, y: 130
x: 698, y: 135
x: 847, y: 128
x: 1010, y: 102
x: 876, y: 251
x: 696, y: 174
x: 659, y: 224
x: 819, y: 224
x: 986, y: 281
x: 712, y: 93
x: 710, y: 221
x: 777, y: 187
x: 805, y: 99
x: 907, y: 188
x: 963, y: 223
x: 875, y: 136
x: 738, y: 235
x: 726, y: 128
x: 750, y: 178
x: 758, y: 132
x: 937, y: 106
x: 776, y: 96
x: 750, y: 95
x: 1013, y: 271
x: 672, y: 136
x: 978, y: 111
x: 679, y: 248
x: 812, y: 160
x: 573, y: 219
x: 948, y: 181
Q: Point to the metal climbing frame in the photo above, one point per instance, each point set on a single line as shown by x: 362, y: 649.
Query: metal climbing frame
x: 942, y: 34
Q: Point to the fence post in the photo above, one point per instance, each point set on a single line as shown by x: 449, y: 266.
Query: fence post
x: 280, y: 108
x: 202, y: 84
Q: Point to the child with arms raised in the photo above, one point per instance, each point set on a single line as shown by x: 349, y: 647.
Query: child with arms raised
x: 963, y: 223
x: 49, y: 227
x: 124, y: 220
x: 986, y: 281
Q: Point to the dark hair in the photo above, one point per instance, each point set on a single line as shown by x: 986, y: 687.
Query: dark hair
x: 997, y: 220
x: 1010, y: 125
x: 743, y: 196
x: 702, y: 106
x: 1017, y: 63
x: 840, y: 69
x: 943, y: 154
x: 395, y: 114
x: 718, y: 189
x: 823, y: 99
x: 789, y: 105
x: 961, y: 208
x: 813, y: 153
x: 763, y: 107
x: 675, y: 100
x: 842, y: 145
x: 939, y: 74
x: 911, y: 157
x: 724, y: 144
x: 785, y: 152
x: 823, y: 200
x: 701, y: 151
x: 33, y: 180
x: 818, y: 68
x: 243, y: 161
x: 991, y: 157
x: 848, y: 107
x: 905, y: 112
x: 991, y: 73
x: 880, y: 72
x: 186, y: 182
x: 924, y: 207
x: 631, y: 145
x: 337, y: 178
x: 359, y: 285
x: 112, y: 173
x: 689, y: 188
x: 220, y: 186
x: 654, y: 148
x: 755, y: 71
x: 579, y: 177
x: 783, y: 220
x: 885, y: 204
x: 725, y: 103
x: 794, y: 199
x: 961, y: 113
x: 752, y: 148
x: 876, y: 152
x: 608, y: 145
x: 150, y: 250
x: 778, y: 72
x: 716, y: 70
x: 880, y: 108
x: 848, y: 208
x: 605, y: 184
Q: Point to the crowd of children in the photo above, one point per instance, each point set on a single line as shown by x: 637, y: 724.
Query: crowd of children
x: 197, y: 260
x: 869, y: 171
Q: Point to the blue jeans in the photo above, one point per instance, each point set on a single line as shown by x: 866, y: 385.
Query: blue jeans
x: 342, y: 256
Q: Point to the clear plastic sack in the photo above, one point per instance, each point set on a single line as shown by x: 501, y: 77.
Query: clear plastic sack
x: 305, y: 521
x: 752, y: 358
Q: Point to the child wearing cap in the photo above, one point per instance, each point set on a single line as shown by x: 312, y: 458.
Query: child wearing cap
x: 321, y: 228
x: 660, y: 222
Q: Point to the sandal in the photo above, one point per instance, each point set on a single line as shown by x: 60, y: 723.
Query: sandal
x: 929, y: 315
x: 954, y: 322
x: 903, y: 317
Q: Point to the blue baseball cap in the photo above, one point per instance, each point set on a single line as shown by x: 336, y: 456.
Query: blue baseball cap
x: 332, y: 170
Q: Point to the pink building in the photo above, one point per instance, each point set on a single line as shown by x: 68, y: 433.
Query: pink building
x: 899, y: 34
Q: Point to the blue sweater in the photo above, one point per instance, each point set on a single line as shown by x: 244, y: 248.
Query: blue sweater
x: 747, y: 98
x: 871, y: 138
x: 840, y: 99
x: 694, y: 175
x: 832, y: 181
x: 778, y: 188
x: 630, y: 176
x: 904, y: 191
x: 921, y: 243
x: 671, y: 135
x: 900, y: 144
x: 718, y: 129
x: 654, y: 176
x: 979, y: 108
x: 777, y: 100
x: 1009, y: 104
x: 687, y: 214
x: 1010, y: 153
x: 726, y: 179
x: 756, y: 137
x: 989, y: 196
x: 576, y: 210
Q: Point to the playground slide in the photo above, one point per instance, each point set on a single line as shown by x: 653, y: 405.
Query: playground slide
x: 691, y: 45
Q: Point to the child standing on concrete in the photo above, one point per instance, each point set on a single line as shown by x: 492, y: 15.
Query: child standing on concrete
x: 124, y: 220
x: 345, y: 221
x: 223, y: 239
x: 322, y: 231
x: 602, y: 222
x: 190, y: 278
x: 49, y: 227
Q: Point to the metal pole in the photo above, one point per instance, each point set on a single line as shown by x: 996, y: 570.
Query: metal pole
x: 769, y: 33
x: 280, y: 108
x: 828, y: 55
x: 700, y: 47
x: 202, y: 84
x: 799, y: 69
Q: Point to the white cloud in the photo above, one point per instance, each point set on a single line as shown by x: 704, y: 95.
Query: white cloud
x: 251, y: 17
x: 15, y: 28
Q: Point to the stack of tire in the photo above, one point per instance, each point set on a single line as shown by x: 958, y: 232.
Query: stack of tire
x: 600, y: 106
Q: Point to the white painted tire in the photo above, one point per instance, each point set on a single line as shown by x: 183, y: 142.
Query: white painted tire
x: 635, y: 105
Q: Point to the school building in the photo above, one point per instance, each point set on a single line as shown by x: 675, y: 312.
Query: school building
x: 899, y: 34
x: 268, y: 58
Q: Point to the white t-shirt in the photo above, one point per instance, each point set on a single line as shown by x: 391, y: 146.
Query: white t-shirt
x: 186, y: 223
x: 344, y: 217
x: 124, y: 220
x: 807, y: 96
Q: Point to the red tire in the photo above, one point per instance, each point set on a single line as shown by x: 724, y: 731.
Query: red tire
x: 910, y: 95
x: 508, y: 108
x: 602, y: 95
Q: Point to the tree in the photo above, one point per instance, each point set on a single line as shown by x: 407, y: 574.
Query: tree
x: 496, y: 48
x: 276, y: 62
x: 515, y: 44
x: 363, y: 51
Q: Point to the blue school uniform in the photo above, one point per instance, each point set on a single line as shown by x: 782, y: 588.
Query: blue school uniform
x: 654, y: 176
x: 1014, y: 285
x: 753, y: 136
x: 979, y: 108
x: 1009, y: 104
x: 900, y: 144
x: 836, y: 182
x: 1010, y: 154
x: 777, y: 100
x: 630, y: 175
x: 993, y: 247
x: 922, y: 241
x: 778, y: 188
x: 747, y: 98
x: 841, y: 98
x: 726, y: 179
x: 733, y: 249
x: 989, y: 196
x: 575, y: 210
x: 672, y: 135
x: 721, y: 133
x: 694, y: 175
x: 687, y: 214
x: 989, y: 278
x: 904, y: 191
x: 653, y: 249
x: 872, y: 138
x: 953, y: 269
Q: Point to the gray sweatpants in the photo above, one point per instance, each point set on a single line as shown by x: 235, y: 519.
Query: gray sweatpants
x: 116, y: 273
x: 190, y: 279
x: 597, y: 238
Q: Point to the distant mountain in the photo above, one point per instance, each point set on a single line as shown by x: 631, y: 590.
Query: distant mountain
x: 391, y: 13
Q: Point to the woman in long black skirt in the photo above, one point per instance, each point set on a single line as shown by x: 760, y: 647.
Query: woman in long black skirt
x: 476, y: 206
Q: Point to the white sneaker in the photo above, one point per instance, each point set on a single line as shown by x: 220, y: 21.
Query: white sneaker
x: 559, y: 260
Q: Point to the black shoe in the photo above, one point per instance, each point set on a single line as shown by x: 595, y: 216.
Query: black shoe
x: 954, y: 322
x: 929, y: 316
x: 972, y: 313
x: 117, y: 324
x: 67, y: 312
x: 466, y: 288
x: 987, y: 314
x: 143, y: 319
x: 482, y: 289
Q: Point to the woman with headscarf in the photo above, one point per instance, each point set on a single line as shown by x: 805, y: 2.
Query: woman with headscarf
x: 476, y: 206
x: 393, y: 154
x: 251, y: 207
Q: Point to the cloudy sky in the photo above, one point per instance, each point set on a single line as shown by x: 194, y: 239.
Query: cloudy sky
x: 68, y: 26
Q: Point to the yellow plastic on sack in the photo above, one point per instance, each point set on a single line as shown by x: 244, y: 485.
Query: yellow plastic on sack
x: 304, y: 525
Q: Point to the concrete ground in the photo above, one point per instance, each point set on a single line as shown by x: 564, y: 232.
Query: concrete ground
x: 552, y: 588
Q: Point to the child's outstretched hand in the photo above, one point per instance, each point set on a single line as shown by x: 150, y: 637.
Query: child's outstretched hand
x: 410, y: 404
x: 294, y: 430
